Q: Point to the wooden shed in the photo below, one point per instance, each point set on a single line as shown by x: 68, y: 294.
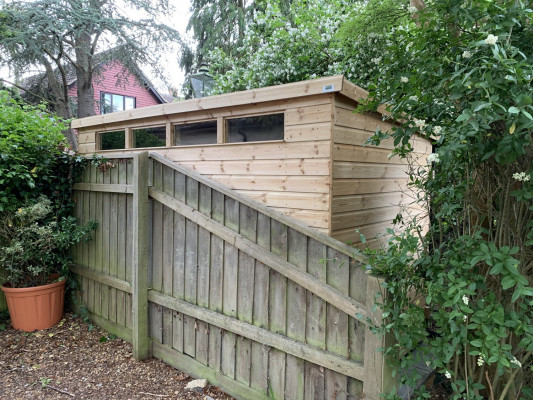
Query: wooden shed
x: 298, y: 148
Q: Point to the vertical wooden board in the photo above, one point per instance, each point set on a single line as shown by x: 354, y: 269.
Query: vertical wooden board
x: 315, y: 331
x: 92, y: 215
x: 294, y: 377
x: 168, y: 249
x: 262, y: 275
x: 356, y: 341
x: 121, y: 243
x: 355, y: 389
x: 248, y: 223
x: 204, y: 258
x: 178, y: 271
x: 338, y: 277
x: 259, y: 367
x: 245, y: 287
x: 358, y: 280
x: 129, y: 237
x: 104, y: 301
x: 167, y: 325
x: 202, y: 342
x: 229, y: 289
x: 189, y: 336
x: 155, y: 322
x: 84, y: 291
x: 106, y: 212
x: 276, y: 374
x: 157, y: 171
x: 112, y: 315
x: 168, y: 180
x: 277, y: 310
x: 121, y: 308
x: 191, y: 192
x: 260, y: 353
x: 157, y: 246
x: 243, y: 354
x: 314, y: 382
x: 129, y: 311
x: 245, y: 299
x: 215, y: 347
x: 179, y: 186
x: 99, y: 234
x: 278, y: 283
x: 205, y: 200
x: 86, y: 217
x: 191, y: 261
x: 95, y: 295
x: 217, y: 206
x: 227, y: 362
x: 296, y: 295
x: 177, y: 331
x: 335, y: 385
x: 231, y: 214
x: 216, y: 282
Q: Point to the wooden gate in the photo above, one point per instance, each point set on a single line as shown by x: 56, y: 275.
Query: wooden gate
x: 224, y: 288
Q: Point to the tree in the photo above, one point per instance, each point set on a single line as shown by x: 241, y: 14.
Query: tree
x: 60, y: 36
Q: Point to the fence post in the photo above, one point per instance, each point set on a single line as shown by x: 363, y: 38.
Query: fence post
x: 378, y: 374
x: 140, y: 256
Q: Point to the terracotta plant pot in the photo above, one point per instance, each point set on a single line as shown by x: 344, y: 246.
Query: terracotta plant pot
x: 38, y: 307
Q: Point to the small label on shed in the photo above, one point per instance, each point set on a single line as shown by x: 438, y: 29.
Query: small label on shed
x: 328, y: 88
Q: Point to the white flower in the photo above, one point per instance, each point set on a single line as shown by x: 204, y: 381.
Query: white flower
x: 465, y: 299
x: 428, y: 363
x: 404, y: 79
x: 521, y: 177
x: 447, y: 374
x: 491, y: 39
x: 465, y: 318
x: 413, y: 98
x: 480, y: 361
x: 421, y: 123
x: 437, y: 130
x: 376, y: 60
x: 516, y: 362
x: 412, y: 9
x: 433, y: 158
x: 467, y: 54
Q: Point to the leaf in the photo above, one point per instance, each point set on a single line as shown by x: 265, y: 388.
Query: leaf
x: 513, y: 110
x: 512, y: 128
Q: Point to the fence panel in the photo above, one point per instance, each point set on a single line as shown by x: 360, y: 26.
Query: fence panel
x: 225, y: 288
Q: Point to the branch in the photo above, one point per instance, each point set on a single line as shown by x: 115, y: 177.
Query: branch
x: 25, y: 89
x: 60, y: 390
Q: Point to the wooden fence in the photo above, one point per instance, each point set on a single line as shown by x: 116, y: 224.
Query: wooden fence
x: 224, y: 288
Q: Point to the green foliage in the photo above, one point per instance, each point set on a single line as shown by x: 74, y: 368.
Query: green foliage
x: 461, y: 77
x: 30, y: 141
x: 37, y: 172
x: 36, y: 244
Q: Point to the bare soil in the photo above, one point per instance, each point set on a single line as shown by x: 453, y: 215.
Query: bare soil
x: 79, y: 361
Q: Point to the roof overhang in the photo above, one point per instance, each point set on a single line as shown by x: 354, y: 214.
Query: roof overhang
x: 331, y: 84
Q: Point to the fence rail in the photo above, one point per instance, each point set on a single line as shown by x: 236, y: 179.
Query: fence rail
x: 224, y: 288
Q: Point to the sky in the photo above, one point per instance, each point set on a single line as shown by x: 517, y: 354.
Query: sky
x: 175, y: 76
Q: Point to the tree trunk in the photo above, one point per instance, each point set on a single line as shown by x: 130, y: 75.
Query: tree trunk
x: 84, y: 75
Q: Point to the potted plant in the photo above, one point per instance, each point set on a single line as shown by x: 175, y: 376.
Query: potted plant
x: 35, y: 254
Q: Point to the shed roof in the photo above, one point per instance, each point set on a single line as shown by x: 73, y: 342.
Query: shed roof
x: 331, y: 84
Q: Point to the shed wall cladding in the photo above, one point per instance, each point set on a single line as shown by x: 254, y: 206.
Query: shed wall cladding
x: 321, y: 173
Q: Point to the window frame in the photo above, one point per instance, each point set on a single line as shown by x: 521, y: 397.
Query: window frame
x: 103, y: 103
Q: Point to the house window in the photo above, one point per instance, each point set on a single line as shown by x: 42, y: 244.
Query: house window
x: 255, y: 129
x: 115, y: 102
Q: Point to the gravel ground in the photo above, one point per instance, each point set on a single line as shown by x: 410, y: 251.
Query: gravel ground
x: 80, y: 361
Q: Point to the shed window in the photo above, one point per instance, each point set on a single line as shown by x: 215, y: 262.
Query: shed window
x: 197, y: 133
x: 112, y: 140
x: 150, y: 137
x: 115, y: 102
x: 255, y: 129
